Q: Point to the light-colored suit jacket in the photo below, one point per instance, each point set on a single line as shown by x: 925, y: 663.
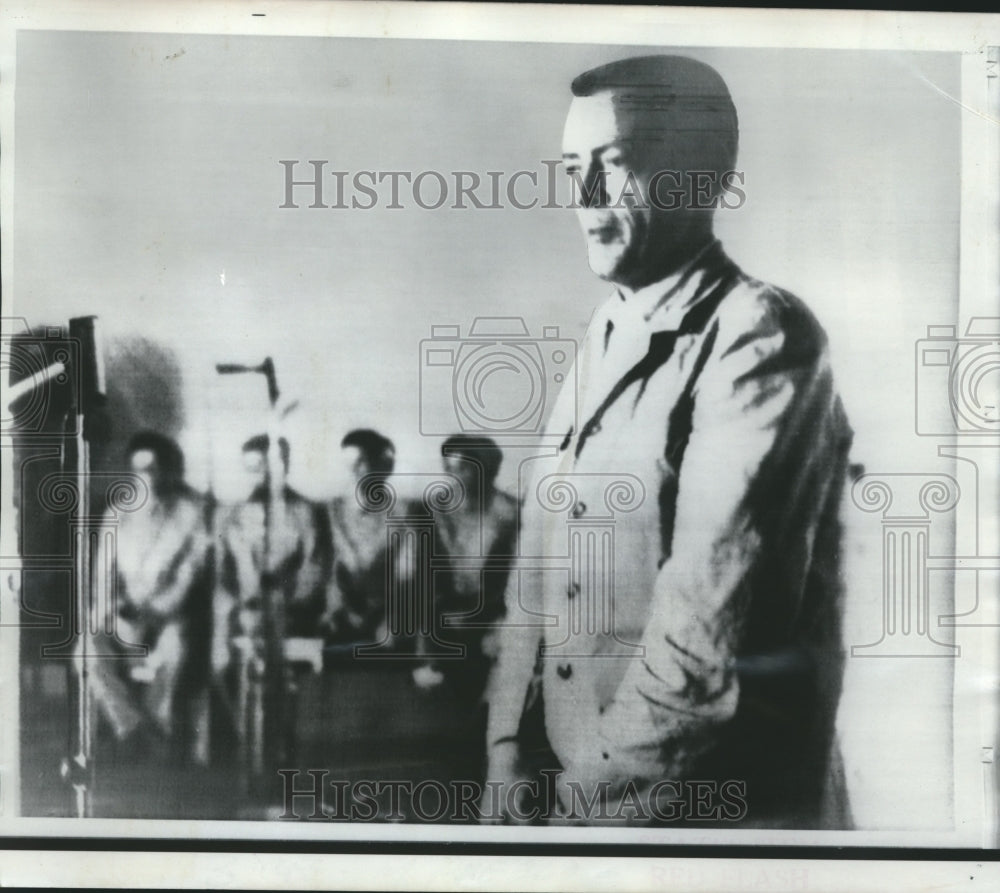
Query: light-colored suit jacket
x: 678, y: 589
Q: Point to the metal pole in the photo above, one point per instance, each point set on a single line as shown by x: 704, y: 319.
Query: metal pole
x: 78, y: 768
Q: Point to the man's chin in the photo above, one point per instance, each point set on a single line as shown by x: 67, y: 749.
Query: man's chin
x: 605, y: 264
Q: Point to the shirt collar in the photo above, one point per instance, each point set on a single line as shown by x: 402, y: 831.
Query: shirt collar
x: 662, y: 306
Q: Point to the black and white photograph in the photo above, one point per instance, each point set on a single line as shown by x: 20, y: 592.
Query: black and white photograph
x: 501, y: 425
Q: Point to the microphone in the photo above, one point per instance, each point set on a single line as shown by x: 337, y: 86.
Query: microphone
x: 266, y: 369
x: 93, y: 385
x: 91, y: 401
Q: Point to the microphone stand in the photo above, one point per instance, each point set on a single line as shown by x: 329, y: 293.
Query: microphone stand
x: 78, y: 768
x: 261, y: 699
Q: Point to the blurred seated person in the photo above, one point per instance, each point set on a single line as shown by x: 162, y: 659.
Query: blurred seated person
x: 161, y: 597
x: 276, y: 539
x: 357, y: 592
x: 477, y: 541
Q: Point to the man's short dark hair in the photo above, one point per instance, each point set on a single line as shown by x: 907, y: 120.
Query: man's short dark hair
x: 169, y: 456
x: 482, y: 451
x: 261, y: 443
x: 378, y: 451
x: 689, y: 95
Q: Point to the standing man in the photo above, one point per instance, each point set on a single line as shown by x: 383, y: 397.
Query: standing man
x: 695, y: 677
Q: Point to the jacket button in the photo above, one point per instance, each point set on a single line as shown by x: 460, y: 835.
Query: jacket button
x: 579, y: 510
x: 564, y: 671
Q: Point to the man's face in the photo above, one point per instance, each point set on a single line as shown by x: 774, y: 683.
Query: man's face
x: 356, y: 463
x: 255, y: 465
x: 145, y: 465
x: 466, y: 471
x: 631, y: 240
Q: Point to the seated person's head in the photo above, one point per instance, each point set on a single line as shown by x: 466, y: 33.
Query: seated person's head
x: 368, y: 452
x: 157, y: 460
x: 255, y: 458
x: 472, y: 459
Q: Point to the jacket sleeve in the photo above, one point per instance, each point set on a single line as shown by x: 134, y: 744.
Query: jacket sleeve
x: 753, y: 425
